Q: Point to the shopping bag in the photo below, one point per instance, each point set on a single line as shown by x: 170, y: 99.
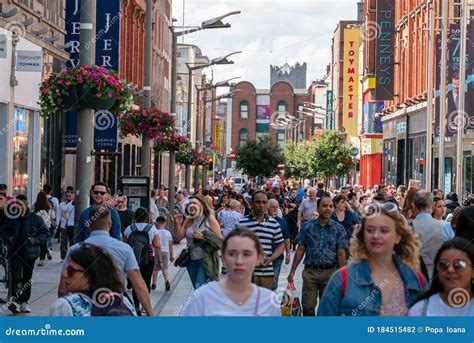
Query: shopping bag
x: 290, y: 302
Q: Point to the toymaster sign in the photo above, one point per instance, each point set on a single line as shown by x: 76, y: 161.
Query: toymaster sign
x: 384, y: 50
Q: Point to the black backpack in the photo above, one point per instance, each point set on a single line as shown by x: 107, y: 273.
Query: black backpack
x: 140, y: 243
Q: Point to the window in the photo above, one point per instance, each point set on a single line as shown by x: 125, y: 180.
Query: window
x: 244, y: 109
x: 300, y: 112
x: 281, y: 139
x: 281, y: 108
x: 243, y: 137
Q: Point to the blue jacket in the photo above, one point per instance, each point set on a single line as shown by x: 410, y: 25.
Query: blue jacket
x: 83, y: 230
x: 33, y: 226
x: 362, y: 297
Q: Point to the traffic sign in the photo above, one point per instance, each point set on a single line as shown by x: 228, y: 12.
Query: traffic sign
x: 354, y: 151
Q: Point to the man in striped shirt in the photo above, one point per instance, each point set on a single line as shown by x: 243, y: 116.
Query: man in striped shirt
x: 268, y: 231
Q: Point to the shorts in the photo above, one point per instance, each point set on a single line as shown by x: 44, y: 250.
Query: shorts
x: 164, y: 266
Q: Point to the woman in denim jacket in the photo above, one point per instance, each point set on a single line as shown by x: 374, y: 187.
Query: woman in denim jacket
x: 381, y: 279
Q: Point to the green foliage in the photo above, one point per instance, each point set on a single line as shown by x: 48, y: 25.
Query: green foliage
x: 332, y: 154
x: 259, y: 158
x: 297, y: 159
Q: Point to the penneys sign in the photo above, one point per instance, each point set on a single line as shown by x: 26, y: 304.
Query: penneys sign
x: 384, y: 50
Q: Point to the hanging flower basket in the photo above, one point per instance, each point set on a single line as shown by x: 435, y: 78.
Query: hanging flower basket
x: 185, y: 154
x: 85, y: 87
x: 149, y: 122
x: 200, y: 158
x: 169, y: 141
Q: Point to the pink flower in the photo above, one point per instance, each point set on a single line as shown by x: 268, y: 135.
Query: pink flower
x: 98, y: 95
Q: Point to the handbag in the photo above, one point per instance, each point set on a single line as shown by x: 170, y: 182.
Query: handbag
x: 290, y: 303
x: 183, y: 259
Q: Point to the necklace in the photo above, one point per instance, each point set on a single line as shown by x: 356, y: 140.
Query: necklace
x: 241, y: 301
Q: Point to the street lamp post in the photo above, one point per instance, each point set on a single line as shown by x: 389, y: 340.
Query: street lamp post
x: 146, y: 143
x: 214, y: 23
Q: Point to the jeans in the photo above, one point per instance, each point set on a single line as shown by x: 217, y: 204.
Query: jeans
x: 67, y: 239
x: 276, y: 272
x: 21, y: 272
x: 197, y: 273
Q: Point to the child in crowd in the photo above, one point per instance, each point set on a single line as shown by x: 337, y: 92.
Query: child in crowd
x: 315, y: 215
x: 167, y: 252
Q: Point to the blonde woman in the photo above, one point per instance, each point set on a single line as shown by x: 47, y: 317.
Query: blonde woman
x: 383, y: 269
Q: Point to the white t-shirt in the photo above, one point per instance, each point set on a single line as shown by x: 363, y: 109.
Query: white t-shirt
x: 437, y: 307
x: 165, y: 238
x: 141, y: 226
x: 210, y: 300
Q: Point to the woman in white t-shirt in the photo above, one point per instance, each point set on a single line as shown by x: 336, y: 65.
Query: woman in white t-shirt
x: 237, y: 295
x: 450, y: 293
x: 141, y: 223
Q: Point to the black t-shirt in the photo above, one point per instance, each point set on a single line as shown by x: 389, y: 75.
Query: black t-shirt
x: 126, y: 218
x: 3, y: 217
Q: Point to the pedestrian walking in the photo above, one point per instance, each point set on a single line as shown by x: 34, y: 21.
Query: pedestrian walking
x: 66, y: 226
x: 241, y: 252
x: 385, y: 257
x: 24, y: 233
x: 90, y: 290
x: 100, y: 193
x: 200, y: 227
x: 166, y: 243
x: 55, y: 214
x: 144, y: 239
x: 322, y: 243
x: 307, y: 207
x: 100, y: 224
x: 269, y: 233
x: 451, y: 288
x: 342, y: 215
x: 125, y: 214
x: 42, y: 208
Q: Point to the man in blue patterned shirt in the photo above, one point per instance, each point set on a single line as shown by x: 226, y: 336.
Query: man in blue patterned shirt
x: 323, y: 243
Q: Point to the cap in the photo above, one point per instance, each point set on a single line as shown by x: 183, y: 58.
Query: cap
x: 275, y: 184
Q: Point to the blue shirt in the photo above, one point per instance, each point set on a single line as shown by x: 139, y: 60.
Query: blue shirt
x: 285, y: 231
x: 448, y: 232
x: 350, y: 218
x: 321, y: 242
x: 121, y: 252
x: 83, y: 230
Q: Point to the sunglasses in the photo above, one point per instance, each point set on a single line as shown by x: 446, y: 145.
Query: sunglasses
x: 99, y: 192
x: 70, y: 271
x: 458, y: 265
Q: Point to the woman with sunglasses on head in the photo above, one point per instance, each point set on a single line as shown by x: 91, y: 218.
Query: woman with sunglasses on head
x: 344, y: 216
x: 385, y: 257
x: 236, y: 295
x: 451, y: 288
x: 92, y: 292
x: 202, y: 231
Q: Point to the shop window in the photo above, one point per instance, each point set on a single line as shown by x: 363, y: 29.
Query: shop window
x: 244, y: 109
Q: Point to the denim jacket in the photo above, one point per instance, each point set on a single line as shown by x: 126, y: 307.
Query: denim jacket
x: 362, y: 297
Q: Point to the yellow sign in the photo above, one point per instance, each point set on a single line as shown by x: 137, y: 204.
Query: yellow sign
x: 217, y: 137
x: 350, y: 81
x: 371, y: 146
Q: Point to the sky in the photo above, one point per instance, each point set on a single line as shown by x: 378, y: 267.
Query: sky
x: 268, y: 32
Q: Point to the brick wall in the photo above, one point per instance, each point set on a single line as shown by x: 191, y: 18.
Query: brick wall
x: 246, y: 92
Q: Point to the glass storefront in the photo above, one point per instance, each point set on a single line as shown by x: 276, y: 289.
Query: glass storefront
x: 20, y: 150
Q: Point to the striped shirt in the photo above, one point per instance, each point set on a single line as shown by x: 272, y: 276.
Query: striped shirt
x: 270, y: 236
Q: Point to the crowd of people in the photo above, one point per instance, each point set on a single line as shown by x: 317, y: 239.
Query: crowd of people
x: 384, y: 251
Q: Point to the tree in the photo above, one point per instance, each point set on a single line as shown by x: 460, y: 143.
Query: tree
x: 297, y: 159
x: 331, y: 154
x: 259, y: 158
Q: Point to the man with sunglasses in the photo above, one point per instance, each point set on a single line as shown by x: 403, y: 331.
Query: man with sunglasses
x: 100, y: 223
x: 100, y: 194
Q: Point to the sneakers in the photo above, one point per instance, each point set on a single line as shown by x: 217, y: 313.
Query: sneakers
x: 167, y: 286
x: 48, y: 254
x: 24, y: 308
x: 41, y: 263
x: 14, y: 307
x: 153, y: 286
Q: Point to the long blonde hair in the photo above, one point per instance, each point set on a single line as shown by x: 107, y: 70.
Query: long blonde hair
x: 408, y: 250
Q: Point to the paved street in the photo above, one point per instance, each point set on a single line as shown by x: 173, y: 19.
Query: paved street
x: 46, y: 281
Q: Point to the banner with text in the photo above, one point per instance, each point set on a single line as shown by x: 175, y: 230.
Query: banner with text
x: 350, y: 80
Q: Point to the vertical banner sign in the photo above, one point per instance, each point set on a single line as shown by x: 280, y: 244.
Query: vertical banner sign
x: 106, y: 43
x: 329, y: 110
x: 351, y: 81
x: 217, y: 137
x: 384, y: 59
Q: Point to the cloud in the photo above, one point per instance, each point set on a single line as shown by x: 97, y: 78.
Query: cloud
x: 269, y: 32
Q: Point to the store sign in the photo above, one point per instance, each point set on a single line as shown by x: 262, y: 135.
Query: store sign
x: 217, y: 137
x: 29, y: 61
x: 384, y: 59
x: 3, y: 46
x: 351, y: 81
x: 105, y: 131
x: 106, y: 42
